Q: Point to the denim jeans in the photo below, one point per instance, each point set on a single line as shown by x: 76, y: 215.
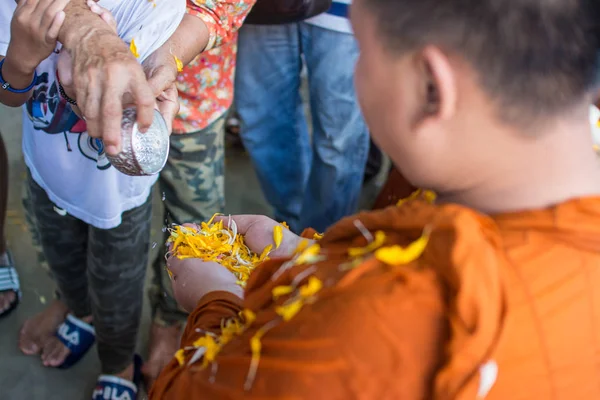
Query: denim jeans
x: 308, y: 184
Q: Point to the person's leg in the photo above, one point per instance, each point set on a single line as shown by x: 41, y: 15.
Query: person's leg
x: 340, y: 136
x: 274, y: 132
x: 64, y: 242
x: 117, y: 261
x: 7, y: 297
x: 192, y: 185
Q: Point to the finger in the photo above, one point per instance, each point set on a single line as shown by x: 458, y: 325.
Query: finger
x: 144, y: 101
x: 112, y: 112
x: 49, y: 16
x: 28, y: 5
x: 168, y: 109
x: 41, y: 13
x: 54, y: 29
x: 160, y: 80
x: 103, y: 13
x: 243, y: 222
x: 20, y: 5
x: 92, y: 110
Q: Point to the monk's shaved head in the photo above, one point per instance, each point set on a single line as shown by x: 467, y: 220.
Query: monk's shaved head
x: 533, y: 57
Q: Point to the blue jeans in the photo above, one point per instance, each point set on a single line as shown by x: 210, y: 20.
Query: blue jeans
x: 308, y: 184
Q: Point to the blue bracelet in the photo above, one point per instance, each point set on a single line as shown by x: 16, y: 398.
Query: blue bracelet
x: 6, y: 86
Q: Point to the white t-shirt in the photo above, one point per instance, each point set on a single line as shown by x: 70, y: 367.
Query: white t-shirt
x: 336, y: 18
x: 71, y: 166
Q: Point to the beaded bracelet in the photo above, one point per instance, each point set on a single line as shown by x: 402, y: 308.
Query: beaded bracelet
x: 6, y: 86
x: 62, y: 92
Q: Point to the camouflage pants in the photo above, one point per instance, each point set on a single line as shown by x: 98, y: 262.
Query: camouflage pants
x: 192, y: 186
x: 98, y: 272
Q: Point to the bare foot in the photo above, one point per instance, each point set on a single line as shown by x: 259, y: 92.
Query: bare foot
x: 127, y: 373
x: 54, y: 352
x: 164, y: 342
x: 38, y: 329
x: 6, y: 299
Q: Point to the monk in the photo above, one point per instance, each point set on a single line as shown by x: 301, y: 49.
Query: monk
x: 492, y: 290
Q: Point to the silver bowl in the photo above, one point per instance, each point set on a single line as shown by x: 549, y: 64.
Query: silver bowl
x: 142, y: 154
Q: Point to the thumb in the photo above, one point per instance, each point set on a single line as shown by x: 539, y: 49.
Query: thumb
x: 160, y: 80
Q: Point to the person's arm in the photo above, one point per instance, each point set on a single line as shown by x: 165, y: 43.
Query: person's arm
x: 375, y: 338
x: 34, y: 30
x: 106, y: 75
x: 207, y: 24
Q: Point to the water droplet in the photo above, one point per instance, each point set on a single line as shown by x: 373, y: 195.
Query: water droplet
x: 164, y: 196
x: 154, y: 245
x: 42, y: 299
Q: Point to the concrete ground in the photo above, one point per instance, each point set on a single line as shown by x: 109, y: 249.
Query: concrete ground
x: 23, y: 377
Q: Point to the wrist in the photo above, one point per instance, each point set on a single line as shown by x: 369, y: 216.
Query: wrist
x: 19, y: 66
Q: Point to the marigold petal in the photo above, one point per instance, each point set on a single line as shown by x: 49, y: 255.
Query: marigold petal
x: 277, y: 235
x: 249, y: 316
x: 398, y: 255
x: 180, y: 356
x: 311, y: 288
x: 133, y: 49
x: 279, y: 291
x: 288, y: 311
x: 377, y: 242
x: 177, y: 61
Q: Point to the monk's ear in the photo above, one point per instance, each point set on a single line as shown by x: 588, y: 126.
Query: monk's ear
x: 438, y: 85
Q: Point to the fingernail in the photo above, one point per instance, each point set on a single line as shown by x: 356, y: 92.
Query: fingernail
x: 112, y: 149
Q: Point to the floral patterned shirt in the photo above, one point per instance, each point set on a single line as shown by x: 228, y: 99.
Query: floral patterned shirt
x: 206, y: 84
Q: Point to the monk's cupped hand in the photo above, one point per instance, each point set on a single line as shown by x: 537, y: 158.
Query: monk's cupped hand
x: 259, y: 232
x: 193, y: 278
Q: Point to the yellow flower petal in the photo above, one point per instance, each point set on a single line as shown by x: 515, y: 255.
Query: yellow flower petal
x: 277, y: 235
x: 249, y: 316
x: 308, y: 254
x: 302, y: 246
x: 429, y: 196
x: 412, y: 196
x: 133, y: 49
x: 279, y: 291
x: 369, y: 248
x: 266, y: 252
x: 255, y: 345
x: 313, y: 286
x: 288, y: 311
x: 178, y: 63
x: 180, y: 357
x: 398, y: 255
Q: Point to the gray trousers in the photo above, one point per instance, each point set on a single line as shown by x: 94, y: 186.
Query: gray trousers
x: 98, y: 272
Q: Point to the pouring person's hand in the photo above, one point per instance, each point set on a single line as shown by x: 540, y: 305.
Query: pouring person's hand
x: 107, y: 77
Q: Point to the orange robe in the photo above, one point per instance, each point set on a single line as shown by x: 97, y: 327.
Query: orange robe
x: 497, y: 308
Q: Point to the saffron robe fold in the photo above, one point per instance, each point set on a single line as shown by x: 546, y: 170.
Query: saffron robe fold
x: 503, y: 307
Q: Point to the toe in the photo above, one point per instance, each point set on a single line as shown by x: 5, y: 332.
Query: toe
x: 54, y: 353
x: 27, y: 341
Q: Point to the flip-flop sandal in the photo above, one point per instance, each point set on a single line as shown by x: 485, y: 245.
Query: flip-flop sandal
x: 78, y: 337
x: 9, y: 281
x: 113, y: 387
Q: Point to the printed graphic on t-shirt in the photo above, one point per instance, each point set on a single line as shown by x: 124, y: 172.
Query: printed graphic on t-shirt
x: 50, y: 113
